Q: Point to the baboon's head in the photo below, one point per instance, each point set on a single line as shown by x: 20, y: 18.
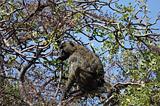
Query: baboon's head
x: 67, y: 48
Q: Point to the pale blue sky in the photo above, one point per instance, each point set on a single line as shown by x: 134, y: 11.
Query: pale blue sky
x: 154, y: 7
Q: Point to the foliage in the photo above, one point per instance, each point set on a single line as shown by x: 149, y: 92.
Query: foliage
x: 122, y: 34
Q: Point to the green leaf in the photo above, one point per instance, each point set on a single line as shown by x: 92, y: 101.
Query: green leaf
x: 70, y: 2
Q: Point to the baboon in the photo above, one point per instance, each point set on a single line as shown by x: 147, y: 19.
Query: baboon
x: 85, y: 67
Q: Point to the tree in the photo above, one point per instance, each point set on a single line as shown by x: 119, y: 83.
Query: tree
x: 127, y: 39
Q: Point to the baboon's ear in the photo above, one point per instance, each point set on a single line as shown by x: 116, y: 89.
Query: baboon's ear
x: 71, y: 43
